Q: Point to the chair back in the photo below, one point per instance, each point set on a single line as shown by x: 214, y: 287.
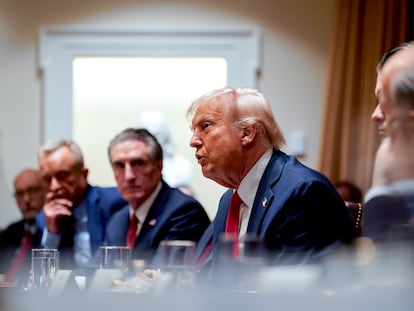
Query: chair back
x: 356, y: 211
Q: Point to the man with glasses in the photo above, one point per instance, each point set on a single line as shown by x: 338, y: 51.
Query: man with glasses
x: 19, y: 237
x: 75, y: 212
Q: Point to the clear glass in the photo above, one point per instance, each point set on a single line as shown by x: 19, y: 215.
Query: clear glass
x: 177, y: 261
x: 240, y: 262
x: 45, y: 264
x: 115, y: 257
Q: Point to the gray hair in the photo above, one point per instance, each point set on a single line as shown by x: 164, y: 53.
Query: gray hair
x: 387, y: 55
x: 402, y: 88
x: 250, y: 107
x: 138, y: 134
x: 53, y: 145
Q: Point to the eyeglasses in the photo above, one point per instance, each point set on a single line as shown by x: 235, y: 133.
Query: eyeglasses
x: 19, y: 194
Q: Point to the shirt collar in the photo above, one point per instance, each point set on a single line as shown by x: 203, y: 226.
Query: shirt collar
x: 248, y: 186
x: 31, y: 228
x: 397, y: 187
x: 403, y: 186
x: 142, y: 211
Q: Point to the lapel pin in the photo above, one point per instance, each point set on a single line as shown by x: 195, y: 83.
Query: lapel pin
x: 152, y: 222
x: 264, y: 202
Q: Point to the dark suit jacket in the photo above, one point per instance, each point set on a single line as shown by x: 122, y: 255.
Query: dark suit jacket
x: 386, y: 216
x: 101, y: 202
x: 10, y: 240
x: 173, y: 216
x: 297, y: 213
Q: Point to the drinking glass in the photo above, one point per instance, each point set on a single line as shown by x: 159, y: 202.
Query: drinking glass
x: 115, y: 257
x: 45, y: 264
x: 240, y: 262
x: 177, y: 259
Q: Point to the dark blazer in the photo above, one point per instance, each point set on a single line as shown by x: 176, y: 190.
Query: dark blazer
x: 297, y: 213
x: 173, y: 216
x: 101, y: 202
x: 386, y: 216
x: 10, y: 241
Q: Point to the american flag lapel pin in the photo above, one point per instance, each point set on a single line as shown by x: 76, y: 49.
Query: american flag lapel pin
x: 264, y: 202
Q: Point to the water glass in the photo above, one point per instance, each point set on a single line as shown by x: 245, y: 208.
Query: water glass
x: 177, y: 259
x: 45, y: 264
x: 115, y: 257
x: 240, y: 262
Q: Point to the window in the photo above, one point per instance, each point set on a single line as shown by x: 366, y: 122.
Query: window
x: 97, y: 81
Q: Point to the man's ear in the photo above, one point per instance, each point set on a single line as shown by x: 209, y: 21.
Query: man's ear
x: 411, y: 119
x: 411, y: 114
x: 85, y: 172
x: 248, y: 133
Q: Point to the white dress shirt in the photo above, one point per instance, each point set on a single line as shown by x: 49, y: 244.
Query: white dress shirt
x: 248, y: 188
x: 142, y: 211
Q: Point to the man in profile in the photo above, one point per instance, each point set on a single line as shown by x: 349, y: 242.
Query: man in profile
x: 295, y: 211
x: 389, y: 204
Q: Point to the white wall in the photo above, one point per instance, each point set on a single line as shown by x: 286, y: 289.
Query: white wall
x: 296, y: 37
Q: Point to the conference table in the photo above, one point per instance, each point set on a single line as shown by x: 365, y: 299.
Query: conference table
x: 373, y: 277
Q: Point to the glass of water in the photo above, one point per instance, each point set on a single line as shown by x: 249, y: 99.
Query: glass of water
x: 45, y: 264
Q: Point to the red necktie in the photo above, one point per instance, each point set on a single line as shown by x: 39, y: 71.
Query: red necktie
x: 19, y: 258
x: 232, y: 222
x: 132, y: 231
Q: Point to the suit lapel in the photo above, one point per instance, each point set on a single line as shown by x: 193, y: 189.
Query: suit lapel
x: 122, y: 221
x: 152, y: 222
x: 93, y: 210
x: 220, y: 219
x: 204, y: 241
x: 265, y: 195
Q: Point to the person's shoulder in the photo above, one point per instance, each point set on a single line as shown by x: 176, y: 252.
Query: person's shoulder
x: 108, y: 198
x: 294, y: 169
x: 13, y: 226
x: 175, y: 201
x: 104, y: 192
x: 175, y: 194
x: 11, y: 232
x: 120, y: 211
x: 104, y: 189
x: 384, y: 212
x: 385, y: 201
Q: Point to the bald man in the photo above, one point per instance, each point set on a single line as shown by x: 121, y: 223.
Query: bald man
x: 29, y: 194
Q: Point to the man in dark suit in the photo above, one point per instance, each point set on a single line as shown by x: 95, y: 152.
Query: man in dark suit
x: 295, y: 211
x: 75, y: 212
x: 389, y: 204
x: 19, y: 237
x: 156, y: 211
